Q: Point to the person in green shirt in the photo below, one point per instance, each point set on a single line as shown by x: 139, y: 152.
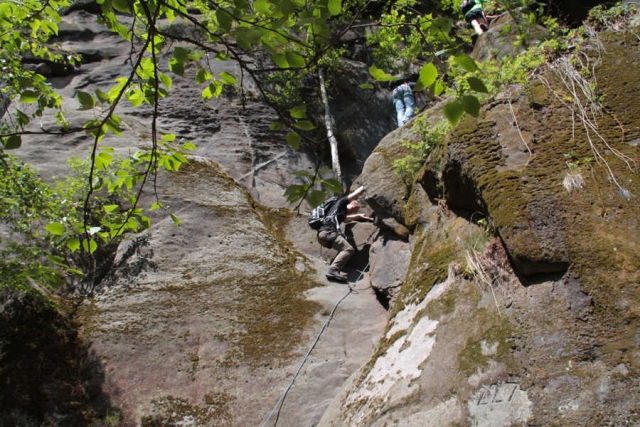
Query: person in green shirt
x: 474, y: 15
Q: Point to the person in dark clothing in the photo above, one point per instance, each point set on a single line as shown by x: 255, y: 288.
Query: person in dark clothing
x: 474, y: 15
x: 330, y: 235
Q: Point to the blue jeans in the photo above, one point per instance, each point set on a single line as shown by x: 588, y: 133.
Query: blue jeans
x: 404, y: 102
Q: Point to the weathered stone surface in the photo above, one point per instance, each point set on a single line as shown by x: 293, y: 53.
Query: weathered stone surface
x: 389, y: 265
x: 207, y: 323
x: 177, y: 323
x: 223, y: 310
x: 537, y: 327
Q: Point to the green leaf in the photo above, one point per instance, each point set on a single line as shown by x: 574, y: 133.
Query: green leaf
x: 89, y: 245
x: 22, y: 118
x: 280, y: 60
x: 295, y: 193
x: 181, y: 54
x: 166, y: 80
x: 294, y: 59
x: 448, y: 51
x: 262, y: 6
x: 228, y: 79
x: 287, y: 7
x: 121, y: 5
x: 222, y: 56
x: 86, y: 100
x: 304, y: 125
x: 97, y: 183
x: 316, y: 198
x: 202, y: 76
x: 295, y: 189
x: 102, y: 96
x: 293, y: 139
x: 28, y: 96
x: 176, y: 67
x: 428, y: 76
x: 466, y: 62
x: 214, y: 89
x: 471, y: 105
x: 103, y: 160
x: 145, y: 221
x: 425, y: 22
x: 73, y: 244
x: 123, y: 31
x: 276, y: 126
x: 113, y: 124
x: 477, y: 85
x: 189, y: 146
x: 111, y: 208
x: 379, y: 75
x: 55, y: 228
x: 169, y: 137
x: 134, y: 96
x: 12, y: 142
x: 175, y: 219
x: 247, y: 37
x: 333, y: 185
x: 335, y: 7
x: 171, y: 15
x: 366, y: 86
x: 224, y: 19
x: 438, y: 88
x: 440, y: 26
x: 299, y: 112
x: 57, y: 260
x: 206, y: 93
x: 453, y: 112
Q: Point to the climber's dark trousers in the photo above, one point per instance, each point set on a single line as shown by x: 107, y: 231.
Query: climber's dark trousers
x: 340, y: 244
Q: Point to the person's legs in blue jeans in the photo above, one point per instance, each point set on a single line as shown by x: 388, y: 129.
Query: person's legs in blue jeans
x: 399, y: 110
x: 409, y: 106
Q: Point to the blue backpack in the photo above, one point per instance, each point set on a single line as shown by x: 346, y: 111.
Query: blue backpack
x: 318, y: 215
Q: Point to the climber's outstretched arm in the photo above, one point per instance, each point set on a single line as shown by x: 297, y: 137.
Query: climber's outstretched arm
x: 356, y: 193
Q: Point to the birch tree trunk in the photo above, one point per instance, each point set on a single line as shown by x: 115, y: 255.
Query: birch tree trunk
x: 333, y: 142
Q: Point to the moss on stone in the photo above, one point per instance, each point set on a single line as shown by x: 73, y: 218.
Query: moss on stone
x: 473, y: 359
x: 442, y: 306
x: 171, y: 410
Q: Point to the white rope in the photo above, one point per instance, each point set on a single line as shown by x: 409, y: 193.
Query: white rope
x: 324, y: 326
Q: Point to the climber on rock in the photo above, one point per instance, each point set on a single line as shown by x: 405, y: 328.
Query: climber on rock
x: 473, y: 12
x: 330, y: 235
x: 403, y: 99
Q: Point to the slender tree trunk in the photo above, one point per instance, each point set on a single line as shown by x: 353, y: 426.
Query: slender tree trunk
x: 333, y: 142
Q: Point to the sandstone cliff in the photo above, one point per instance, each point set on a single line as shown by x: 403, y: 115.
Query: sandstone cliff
x: 502, y: 296
x: 539, y: 325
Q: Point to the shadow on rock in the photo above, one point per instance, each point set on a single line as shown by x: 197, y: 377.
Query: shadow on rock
x: 48, y: 376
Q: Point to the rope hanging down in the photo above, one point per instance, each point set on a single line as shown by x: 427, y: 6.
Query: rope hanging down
x: 324, y: 326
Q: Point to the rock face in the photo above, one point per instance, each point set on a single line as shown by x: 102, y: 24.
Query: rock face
x: 46, y: 368
x: 511, y: 280
x: 205, y: 324
x: 213, y: 329
x: 538, y: 326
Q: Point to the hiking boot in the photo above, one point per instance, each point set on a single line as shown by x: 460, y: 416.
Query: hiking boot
x: 336, y: 274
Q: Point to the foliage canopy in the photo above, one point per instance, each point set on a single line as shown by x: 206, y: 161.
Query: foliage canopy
x: 294, y: 37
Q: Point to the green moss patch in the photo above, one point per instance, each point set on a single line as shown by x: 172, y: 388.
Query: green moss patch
x: 175, y: 411
x: 495, y: 343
